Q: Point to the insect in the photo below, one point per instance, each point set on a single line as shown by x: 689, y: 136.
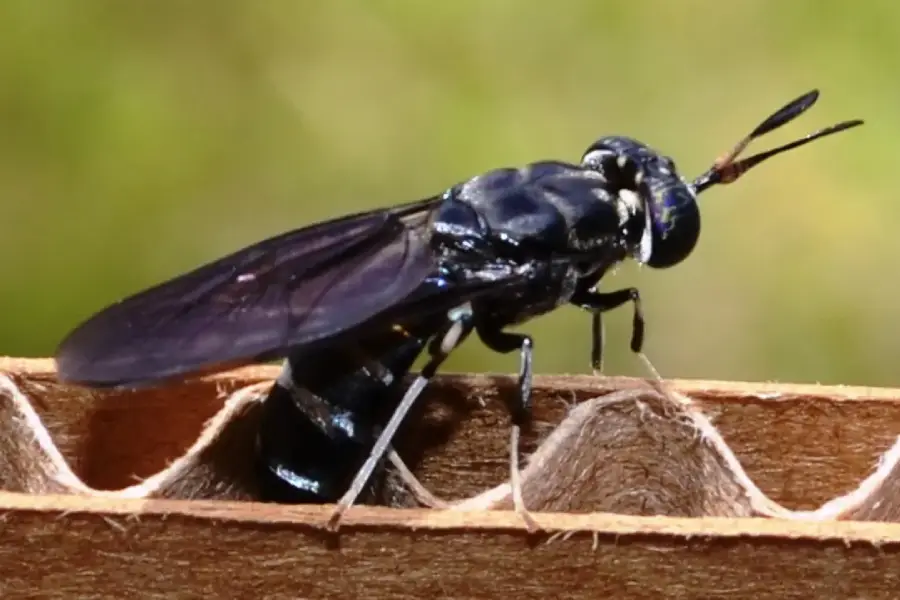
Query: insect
x: 494, y: 251
x: 320, y: 418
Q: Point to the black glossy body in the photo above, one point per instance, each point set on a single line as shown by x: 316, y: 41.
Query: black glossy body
x: 322, y: 416
x: 491, y: 252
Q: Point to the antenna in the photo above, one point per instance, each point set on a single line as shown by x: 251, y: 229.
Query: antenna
x: 726, y: 170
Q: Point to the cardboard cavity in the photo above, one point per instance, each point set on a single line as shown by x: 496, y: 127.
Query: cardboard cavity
x: 145, y: 493
x: 613, y: 445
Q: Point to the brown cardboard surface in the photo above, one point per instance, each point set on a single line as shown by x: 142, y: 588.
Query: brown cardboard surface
x: 722, y: 490
x: 109, y: 548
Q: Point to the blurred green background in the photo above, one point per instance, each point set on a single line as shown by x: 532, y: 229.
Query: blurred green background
x: 140, y: 139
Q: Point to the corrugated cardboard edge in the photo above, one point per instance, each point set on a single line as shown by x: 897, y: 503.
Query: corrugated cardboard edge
x: 585, y: 430
x: 697, y: 389
x: 151, y: 548
x: 313, y: 518
x: 102, y: 547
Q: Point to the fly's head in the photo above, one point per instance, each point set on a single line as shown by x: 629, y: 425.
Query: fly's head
x: 668, y: 201
x: 666, y: 204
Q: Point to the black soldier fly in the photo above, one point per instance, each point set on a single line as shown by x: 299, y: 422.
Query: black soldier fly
x: 375, y: 288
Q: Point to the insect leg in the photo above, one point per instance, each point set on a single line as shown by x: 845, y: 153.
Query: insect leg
x: 457, y: 329
x: 520, y: 411
x: 505, y: 342
x: 597, y: 339
x: 600, y: 302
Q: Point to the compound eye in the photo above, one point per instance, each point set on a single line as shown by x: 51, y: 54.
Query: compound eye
x: 676, y: 226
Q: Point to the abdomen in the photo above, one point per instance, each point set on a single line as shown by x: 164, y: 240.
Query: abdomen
x: 322, y: 417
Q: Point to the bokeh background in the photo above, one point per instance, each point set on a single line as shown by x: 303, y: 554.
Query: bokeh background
x: 140, y: 139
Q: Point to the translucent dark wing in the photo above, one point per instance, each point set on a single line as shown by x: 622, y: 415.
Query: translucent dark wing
x: 256, y: 303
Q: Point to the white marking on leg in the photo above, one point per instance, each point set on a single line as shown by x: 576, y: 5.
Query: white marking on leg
x: 451, y: 339
x: 378, y: 450
x: 453, y: 335
x: 286, y: 376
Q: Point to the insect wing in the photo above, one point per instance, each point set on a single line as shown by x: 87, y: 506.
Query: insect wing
x: 256, y: 303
